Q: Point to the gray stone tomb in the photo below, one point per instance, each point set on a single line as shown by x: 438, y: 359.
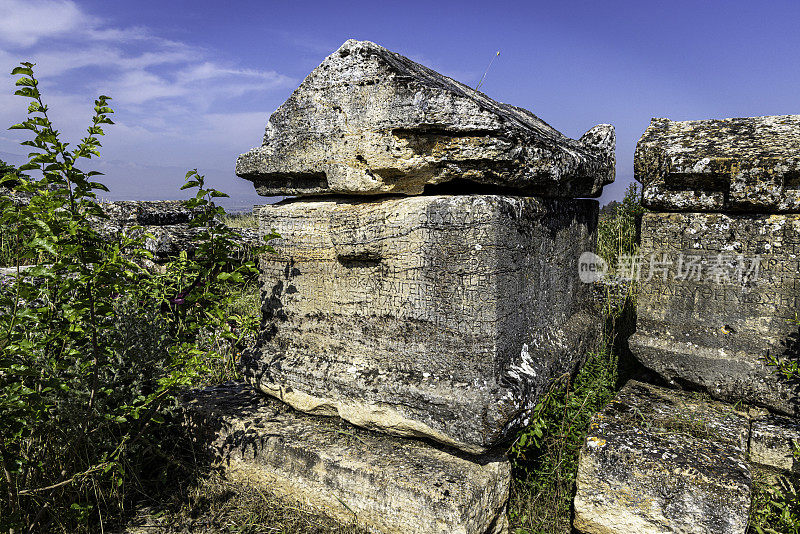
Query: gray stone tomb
x: 720, y: 292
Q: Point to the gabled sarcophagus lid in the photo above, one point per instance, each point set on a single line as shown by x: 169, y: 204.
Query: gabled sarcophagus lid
x: 368, y: 121
x: 743, y: 165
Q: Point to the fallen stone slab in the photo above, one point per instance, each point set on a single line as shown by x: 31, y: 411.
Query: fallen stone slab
x: 369, y: 121
x: 742, y: 164
x: 662, y: 461
x: 386, y: 484
x: 148, y: 212
x: 772, y: 442
x: 445, y: 317
x: 718, y: 295
x: 166, y: 224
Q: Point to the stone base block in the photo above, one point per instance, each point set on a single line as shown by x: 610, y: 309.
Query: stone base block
x: 772, y: 440
x: 658, y: 461
x: 718, y: 298
x: 385, y: 484
x: 446, y: 317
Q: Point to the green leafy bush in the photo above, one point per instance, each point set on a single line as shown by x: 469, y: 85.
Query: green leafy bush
x: 776, y: 505
x: 93, y: 347
x: 545, y: 455
x: 616, y: 233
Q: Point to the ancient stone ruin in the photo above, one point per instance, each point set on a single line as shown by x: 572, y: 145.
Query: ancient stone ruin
x: 165, y: 224
x: 425, y: 294
x: 718, y: 298
x: 425, y: 289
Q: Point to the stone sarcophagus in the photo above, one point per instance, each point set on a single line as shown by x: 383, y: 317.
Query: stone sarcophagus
x: 718, y: 267
x: 444, y: 314
x: 445, y: 317
x: 425, y: 284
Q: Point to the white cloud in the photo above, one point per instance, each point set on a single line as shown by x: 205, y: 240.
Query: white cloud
x: 171, y: 98
x: 25, y: 22
x: 138, y: 86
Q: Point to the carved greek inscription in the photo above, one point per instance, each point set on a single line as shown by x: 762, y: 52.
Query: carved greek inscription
x: 747, y: 265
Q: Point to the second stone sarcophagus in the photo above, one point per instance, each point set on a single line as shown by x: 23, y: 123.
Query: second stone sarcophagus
x: 720, y: 280
x: 438, y: 316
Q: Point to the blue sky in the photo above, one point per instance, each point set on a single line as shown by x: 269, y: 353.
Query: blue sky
x: 193, y: 83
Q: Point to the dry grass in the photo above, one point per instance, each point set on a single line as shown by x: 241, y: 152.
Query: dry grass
x: 241, y: 220
x: 214, y: 505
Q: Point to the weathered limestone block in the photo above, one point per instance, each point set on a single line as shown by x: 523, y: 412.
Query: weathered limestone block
x: 17, y: 198
x: 746, y: 164
x: 438, y: 316
x: 148, y: 212
x: 719, y: 293
x: 387, y: 484
x: 659, y: 461
x: 772, y: 440
x: 166, y: 221
x: 369, y: 121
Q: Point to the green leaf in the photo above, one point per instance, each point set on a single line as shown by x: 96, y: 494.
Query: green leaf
x: 26, y: 70
x: 98, y: 185
x: 28, y: 92
x: 26, y: 82
x: 46, y: 245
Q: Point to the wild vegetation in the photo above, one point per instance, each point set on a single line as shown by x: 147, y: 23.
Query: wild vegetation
x: 545, y: 454
x: 776, y: 499
x: 95, y: 351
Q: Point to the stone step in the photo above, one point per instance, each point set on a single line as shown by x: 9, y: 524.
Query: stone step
x: 663, y: 461
x: 387, y: 484
x: 772, y: 442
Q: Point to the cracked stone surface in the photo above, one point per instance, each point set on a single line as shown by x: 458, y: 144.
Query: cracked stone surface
x: 445, y: 317
x: 369, y: 121
x: 772, y: 440
x: 742, y: 164
x: 662, y: 461
x: 718, y: 294
x: 389, y: 485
